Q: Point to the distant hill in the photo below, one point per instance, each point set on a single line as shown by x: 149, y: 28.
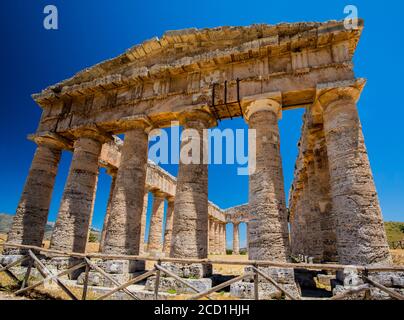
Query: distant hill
x: 7, y: 219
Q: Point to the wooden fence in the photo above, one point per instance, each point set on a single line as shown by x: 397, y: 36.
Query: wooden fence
x: 397, y: 244
x: 31, y: 260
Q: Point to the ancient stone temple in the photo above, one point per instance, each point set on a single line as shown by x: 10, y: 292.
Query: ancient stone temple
x: 196, y: 78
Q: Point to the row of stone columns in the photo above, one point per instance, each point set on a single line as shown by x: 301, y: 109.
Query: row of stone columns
x: 359, y: 232
x: 336, y: 214
x: 217, y: 237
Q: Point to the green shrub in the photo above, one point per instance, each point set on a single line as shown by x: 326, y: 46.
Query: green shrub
x: 93, y: 237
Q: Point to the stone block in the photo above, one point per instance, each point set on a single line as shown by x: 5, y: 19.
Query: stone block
x: 168, y: 283
x: 58, y: 264
x: 388, y: 279
x: 280, y: 275
x: 98, y: 280
x: 6, y: 259
x: 193, y: 270
x: 340, y: 289
x: 122, y: 266
x: 349, y: 277
x: 324, y: 280
x: 266, y: 291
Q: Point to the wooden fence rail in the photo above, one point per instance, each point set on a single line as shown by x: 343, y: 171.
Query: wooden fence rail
x: 397, y: 244
x: 85, y: 262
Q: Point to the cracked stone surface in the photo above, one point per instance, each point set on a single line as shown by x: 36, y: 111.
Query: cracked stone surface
x: 124, y: 229
x: 75, y: 213
x: 361, y: 238
x: 33, y: 206
x: 268, y: 228
x: 156, y: 223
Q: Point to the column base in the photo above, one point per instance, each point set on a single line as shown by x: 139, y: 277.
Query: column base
x: 192, y: 270
x: 58, y: 264
x: 349, y: 279
x: 119, y: 270
x: 96, y: 279
x: 283, y: 276
x: 122, y: 266
x: 169, y: 284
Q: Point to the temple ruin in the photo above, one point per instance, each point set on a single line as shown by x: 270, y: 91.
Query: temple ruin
x: 199, y: 77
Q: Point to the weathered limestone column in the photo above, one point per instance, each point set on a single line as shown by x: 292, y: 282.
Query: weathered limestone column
x: 361, y: 238
x: 327, y: 217
x: 74, y: 218
x: 313, y: 221
x: 268, y: 224
x: 112, y: 172
x: 236, y: 240
x: 154, y: 245
x: 124, y: 230
x: 142, y: 248
x: 211, y: 237
x: 190, y: 227
x: 29, y: 223
x: 247, y: 236
x: 169, y: 226
x: 268, y: 229
x: 223, y: 238
x: 217, y: 237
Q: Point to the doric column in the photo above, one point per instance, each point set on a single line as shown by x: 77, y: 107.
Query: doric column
x: 73, y: 222
x: 124, y: 231
x: 223, y: 238
x: 112, y: 172
x: 156, y: 223
x: 247, y: 237
x: 190, y: 224
x: 142, y: 248
x: 211, y: 237
x: 361, y: 238
x: 190, y: 228
x: 236, y: 240
x: 314, y: 236
x: 169, y: 226
x: 29, y: 223
x: 217, y: 237
x: 268, y: 229
x: 327, y: 217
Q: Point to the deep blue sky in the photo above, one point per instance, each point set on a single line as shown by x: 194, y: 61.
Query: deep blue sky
x: 94, y: 30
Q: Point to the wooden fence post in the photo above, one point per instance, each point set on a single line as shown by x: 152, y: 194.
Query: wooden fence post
x: 85, y: 284
x: 157, y: 283
x: 256, y: 285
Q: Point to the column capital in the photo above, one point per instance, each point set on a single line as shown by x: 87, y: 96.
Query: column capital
x: 328, y: 93
x: 158, y: 194
x: 170, y: 199
x: 112, y: 171
x: 93, y: 132
x: 51, y: 139
x: 140, y: 121
x: 195, y: 115
x: 263, y: 102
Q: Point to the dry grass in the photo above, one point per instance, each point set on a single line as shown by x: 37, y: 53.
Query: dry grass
x: 398, y: 256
